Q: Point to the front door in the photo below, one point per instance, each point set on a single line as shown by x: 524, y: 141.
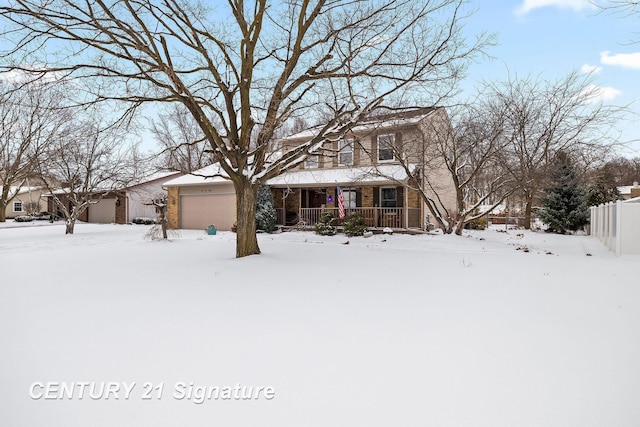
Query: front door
x: 313, y: 198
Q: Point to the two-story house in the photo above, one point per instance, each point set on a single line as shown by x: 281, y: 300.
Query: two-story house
x: 375, y: 166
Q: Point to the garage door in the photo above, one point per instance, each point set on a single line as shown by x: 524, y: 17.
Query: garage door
x: 103, y: 212
x: 198, y: 211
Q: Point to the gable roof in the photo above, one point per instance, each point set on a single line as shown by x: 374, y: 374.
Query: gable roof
x: 379, y: 122
x: 212, y: 174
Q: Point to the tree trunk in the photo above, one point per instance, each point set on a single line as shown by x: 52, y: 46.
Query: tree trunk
x: 246, y: 239
x: 69, y: 223
x: 3, y: 203
x: 527, y: 213
x: 164, y: 229
x: 460, y: 225
x: 163, y: 221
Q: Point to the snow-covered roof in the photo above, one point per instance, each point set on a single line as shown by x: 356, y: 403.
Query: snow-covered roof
x: 375, y: 123
x: 367, y: 174
x: 154, y: 177
x: 301, y: 177
x: 212, y: 174
x: 21, y: 190
x: 625, y: 190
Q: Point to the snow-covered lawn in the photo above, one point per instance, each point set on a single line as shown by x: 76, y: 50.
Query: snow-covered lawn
x: 491, y: 329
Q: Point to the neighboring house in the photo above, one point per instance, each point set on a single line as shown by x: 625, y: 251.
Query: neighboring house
x: 363, y: 164
x: 28, y: 200
x: 629, y: 191
x: 122, y: 206
x: 138, y: 196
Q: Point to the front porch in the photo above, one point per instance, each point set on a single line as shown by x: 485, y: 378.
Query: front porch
x: 375, y: 217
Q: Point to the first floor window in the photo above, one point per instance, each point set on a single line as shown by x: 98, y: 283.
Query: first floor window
x: 349, y: 199
x: 385, y: 147
x: 388, y: 197
x: 312, y: 162
x: 17, y: 206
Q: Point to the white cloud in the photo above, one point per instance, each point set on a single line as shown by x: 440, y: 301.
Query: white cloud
x: 595, y: 93
x: 625, y: 60
x: 591, y: 69
x: 576, y: 5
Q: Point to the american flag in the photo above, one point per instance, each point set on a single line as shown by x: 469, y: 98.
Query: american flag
x: 340, y: 203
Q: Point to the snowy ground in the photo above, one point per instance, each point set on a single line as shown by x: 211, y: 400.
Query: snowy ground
x: 490, y: 329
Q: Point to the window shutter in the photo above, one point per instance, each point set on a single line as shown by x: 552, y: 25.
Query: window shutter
x: 399, y: 197
x: 359, y: 197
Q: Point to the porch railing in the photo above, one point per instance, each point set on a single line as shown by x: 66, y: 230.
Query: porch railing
x: 374, y: 217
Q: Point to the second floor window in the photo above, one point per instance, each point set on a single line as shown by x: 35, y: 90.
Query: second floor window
x: 345, y: 152
x: 385, y: 147
x: 312, y: 162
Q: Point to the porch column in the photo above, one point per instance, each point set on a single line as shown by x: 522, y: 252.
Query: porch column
x: 405, y: 205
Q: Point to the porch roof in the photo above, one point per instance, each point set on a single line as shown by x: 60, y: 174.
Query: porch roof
x: 344, y: 176
x: 303, y: 177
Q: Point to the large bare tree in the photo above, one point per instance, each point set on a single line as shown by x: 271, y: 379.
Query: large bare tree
x: 182, y: 143
x: 544, y: 117
x: 89, y: 163
x: 453, y: 164
x: 250, y: 66
x: 31, y: 117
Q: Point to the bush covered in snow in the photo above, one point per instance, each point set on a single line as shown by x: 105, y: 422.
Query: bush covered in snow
x: 326, y: 226
x: 354, y: 225
x: 477, y: 224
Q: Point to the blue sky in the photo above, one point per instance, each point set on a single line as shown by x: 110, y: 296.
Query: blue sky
x: 551, y: 38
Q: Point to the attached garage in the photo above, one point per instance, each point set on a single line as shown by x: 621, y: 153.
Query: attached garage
x: 201, y: 206
x: 103, y: 212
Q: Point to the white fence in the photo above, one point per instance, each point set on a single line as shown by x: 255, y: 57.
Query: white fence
x: 617, y: 225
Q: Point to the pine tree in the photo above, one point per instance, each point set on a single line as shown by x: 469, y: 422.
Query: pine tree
x: 565, y: 207
x: 602, y: 191
x: 326, y: 226
x: 265, y: 211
